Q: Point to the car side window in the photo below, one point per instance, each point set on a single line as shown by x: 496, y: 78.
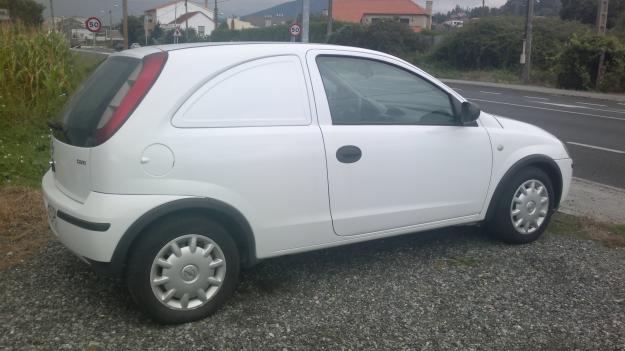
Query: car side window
x: 364, y: 91
x: 264, y: 92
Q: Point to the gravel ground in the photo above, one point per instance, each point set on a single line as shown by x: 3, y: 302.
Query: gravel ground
x: 447, y: 289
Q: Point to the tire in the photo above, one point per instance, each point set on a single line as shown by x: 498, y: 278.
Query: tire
x: 212, y: 265
x: 525, y: 220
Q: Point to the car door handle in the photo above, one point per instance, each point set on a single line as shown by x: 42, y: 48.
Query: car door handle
x: 348, y: 154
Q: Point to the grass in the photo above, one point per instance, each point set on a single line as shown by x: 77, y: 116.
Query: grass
x: 608, y: 234
x: 23, y: 225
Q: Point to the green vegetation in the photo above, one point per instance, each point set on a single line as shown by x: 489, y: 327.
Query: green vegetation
x: 579, y: 62
x: 38, y: 73
x: 388, y: 36
x: 28, y: 12
x: 565, y: 54
x: 610, y: 235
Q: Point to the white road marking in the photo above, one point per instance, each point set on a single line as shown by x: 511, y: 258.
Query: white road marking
x: 536, y: 97
x: 489, y: 92
x: 586, y: 103
x: 576, y: 106
x: 561, y: 105
x: 596, y: 147
x: 621, y: 104
x: 551, y: 109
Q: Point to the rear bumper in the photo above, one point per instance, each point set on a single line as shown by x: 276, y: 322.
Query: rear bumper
x: 93, y: 229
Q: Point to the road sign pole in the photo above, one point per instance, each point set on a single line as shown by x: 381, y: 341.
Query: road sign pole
x: 125, y: 9
x: 52, y: 16
x: 305, y: 20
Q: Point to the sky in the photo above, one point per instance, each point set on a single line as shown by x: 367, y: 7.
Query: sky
x: 100, y: 8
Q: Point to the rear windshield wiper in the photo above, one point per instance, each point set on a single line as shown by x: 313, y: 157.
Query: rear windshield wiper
x: 55, y: 125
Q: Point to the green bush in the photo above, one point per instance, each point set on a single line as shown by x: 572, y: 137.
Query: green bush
x: 489, y: 43
x: 496, y: 43
x: 580, y: 60
x: 38, y: 73
x: 387, y: 36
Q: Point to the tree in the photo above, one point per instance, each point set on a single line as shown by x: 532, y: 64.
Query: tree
x: 136, y: 32
x: 547, y: 8
x: 585, y: 11
x: 28, y: 12
x: 387, y: 36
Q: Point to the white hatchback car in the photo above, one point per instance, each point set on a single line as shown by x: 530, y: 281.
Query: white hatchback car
x: 174, y: 166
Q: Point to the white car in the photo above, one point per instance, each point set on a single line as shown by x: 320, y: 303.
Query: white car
x: 174, y: 166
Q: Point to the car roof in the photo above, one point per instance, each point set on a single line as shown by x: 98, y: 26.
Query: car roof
x: 146, y: 50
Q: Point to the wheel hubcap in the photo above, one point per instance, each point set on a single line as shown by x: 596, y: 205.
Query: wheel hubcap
x: 529, y: 207
x: 187, y: 272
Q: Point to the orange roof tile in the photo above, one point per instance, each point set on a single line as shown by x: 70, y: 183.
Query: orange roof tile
x: 353, y: 10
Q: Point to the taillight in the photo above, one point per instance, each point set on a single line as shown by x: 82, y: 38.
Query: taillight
x: 150, y: 70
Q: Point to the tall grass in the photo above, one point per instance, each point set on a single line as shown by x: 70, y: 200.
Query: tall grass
x: 37, y: 73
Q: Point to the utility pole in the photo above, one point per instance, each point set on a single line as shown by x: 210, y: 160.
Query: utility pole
x: 526, y: 57
x: 602, y: 22
x: 216, y: 16
x: 329, y: 18
x: 111, y: 28
x: 52, y: 15
x: 186, y: 25
x: 305, y: 20
x: 125, y: 12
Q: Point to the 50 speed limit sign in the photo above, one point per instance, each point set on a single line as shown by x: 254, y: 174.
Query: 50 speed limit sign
x: 295, y: 29
x: 93, y: 24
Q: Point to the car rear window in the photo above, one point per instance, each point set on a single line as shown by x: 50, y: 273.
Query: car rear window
x: 95, y: 102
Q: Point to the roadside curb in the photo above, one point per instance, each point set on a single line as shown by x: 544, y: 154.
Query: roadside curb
x: 595, y: 200
x: 541, y: 90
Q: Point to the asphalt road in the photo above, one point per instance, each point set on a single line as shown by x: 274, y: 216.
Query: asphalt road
x: 593, y: 130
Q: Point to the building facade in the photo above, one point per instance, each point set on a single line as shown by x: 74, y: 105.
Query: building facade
x: 174, y: 14
x: 370, y: 11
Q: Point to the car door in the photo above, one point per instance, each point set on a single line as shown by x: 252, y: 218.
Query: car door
x: 396, y: 155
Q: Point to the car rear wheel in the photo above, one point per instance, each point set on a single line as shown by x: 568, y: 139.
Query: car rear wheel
x: 523, y: 209
x: 183, y: 269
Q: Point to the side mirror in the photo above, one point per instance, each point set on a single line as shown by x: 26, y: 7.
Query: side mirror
x: 469, y: 112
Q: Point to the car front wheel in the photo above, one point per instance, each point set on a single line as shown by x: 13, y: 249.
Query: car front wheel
x: 523, y: 209
x: 183, y: 269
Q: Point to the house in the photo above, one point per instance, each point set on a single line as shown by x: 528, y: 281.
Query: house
x: 454, y: 23
x: 269, y: 20
x: 369, y: 11
x: 4, y: 15
x: 235, y: 23
x: 174, y: 14
x: 284, y: 13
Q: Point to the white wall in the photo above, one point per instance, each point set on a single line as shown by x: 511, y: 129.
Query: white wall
x: 169, y: 13
x: 199, y: 20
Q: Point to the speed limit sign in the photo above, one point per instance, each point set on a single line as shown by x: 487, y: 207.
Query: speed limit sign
x: 295, y: 29
x: 93, y: 24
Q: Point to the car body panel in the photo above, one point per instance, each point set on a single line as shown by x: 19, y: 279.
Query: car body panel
x: 277, y: 177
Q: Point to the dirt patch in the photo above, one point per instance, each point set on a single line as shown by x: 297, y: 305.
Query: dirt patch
x: 610, y: 235
x: 23, y: 225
